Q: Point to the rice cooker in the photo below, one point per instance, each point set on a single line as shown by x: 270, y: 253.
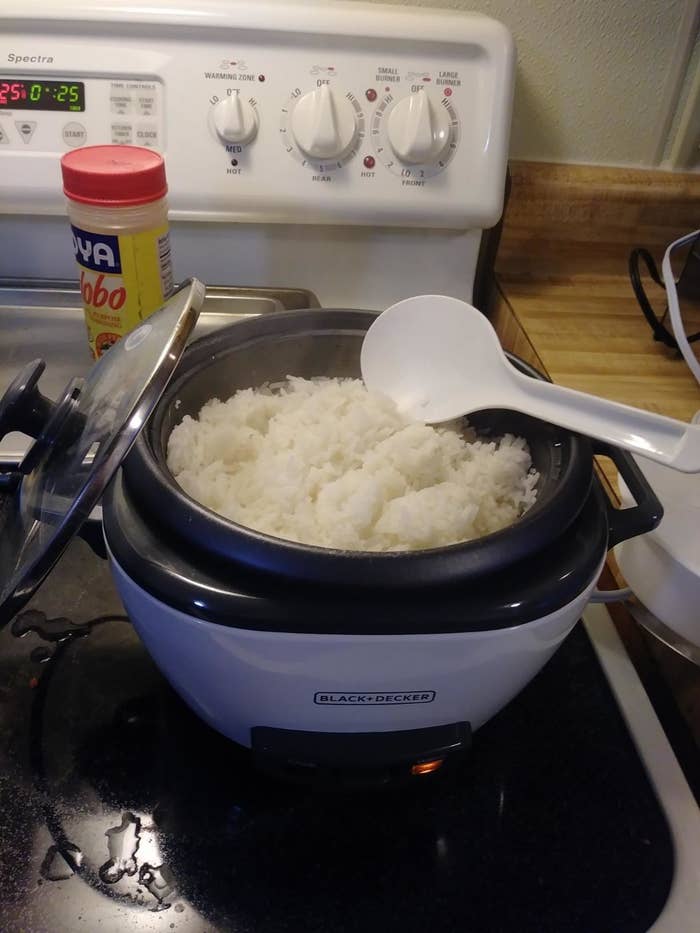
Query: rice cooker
x: 313, y: 658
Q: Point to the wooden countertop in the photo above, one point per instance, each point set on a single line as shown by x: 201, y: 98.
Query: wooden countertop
x: 562, y: 269
x: 563, y: 302
x: 588, y: 333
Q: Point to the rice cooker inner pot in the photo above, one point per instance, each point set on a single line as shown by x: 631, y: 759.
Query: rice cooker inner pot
x: 327, y: 343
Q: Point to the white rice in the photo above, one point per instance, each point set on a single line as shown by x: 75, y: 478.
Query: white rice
x: 324, y: 462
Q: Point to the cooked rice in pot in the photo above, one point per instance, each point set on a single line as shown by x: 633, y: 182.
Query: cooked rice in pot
x: 325, y: 462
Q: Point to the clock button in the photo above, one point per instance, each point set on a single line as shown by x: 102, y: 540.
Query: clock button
x: 147, y: 135
x: 74, y: 135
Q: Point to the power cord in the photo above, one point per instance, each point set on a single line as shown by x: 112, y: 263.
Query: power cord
x: 611, y: 596
x: 660, y: 332
x: 659, y: 329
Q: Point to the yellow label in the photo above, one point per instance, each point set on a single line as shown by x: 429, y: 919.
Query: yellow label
x: 123, y: 279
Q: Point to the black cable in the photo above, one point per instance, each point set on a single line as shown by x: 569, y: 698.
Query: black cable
x: 659, y: 330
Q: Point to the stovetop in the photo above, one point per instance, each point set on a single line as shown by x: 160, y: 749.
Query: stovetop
x: 119, y: 808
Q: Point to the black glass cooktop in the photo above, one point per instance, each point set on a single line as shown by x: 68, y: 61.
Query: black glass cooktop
x: 120, y: 810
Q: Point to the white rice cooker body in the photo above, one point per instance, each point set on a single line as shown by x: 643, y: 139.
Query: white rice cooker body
x: 238, y: 679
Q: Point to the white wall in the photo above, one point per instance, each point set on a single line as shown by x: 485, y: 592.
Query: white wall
x: 682, y: 145
x: 599, y: 81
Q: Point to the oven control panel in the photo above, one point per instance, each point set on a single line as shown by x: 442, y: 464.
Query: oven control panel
x: 45, y: 113
x: 268, y: 112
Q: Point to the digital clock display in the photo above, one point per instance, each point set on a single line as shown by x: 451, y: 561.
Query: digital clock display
x: 40, y: 94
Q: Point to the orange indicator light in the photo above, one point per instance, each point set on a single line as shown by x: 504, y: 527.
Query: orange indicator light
x: 427, y: 767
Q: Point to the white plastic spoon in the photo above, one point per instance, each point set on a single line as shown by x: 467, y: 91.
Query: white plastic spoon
x: 439, y: 358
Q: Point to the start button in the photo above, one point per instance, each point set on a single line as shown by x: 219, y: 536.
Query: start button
x: 74, y: 135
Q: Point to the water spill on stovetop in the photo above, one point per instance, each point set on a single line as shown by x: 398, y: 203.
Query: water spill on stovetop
x: 51, y: 630
x: 159, y: 881
x: 59, y: 629
x: 122, y: 843
x: 63, y: 861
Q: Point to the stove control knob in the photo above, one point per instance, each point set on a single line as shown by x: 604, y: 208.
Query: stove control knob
x: 323, y: 124
x: 418, y: 129
x: 235, y: 120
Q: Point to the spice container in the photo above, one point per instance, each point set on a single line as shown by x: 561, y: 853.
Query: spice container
x: 118, y: 212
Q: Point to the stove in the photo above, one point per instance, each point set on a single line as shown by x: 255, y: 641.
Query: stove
x: 122, y: 809
x: 377, y: 155
x: 367, y: 161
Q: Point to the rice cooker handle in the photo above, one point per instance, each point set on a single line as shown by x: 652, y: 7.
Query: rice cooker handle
x: 646, y: 514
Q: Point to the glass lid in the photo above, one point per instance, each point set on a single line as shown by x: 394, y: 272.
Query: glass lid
x: 80, y: 442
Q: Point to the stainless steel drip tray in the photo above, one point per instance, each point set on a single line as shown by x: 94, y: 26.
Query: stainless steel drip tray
x: 44, y: 320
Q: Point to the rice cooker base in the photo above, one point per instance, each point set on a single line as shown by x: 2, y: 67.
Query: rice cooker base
x: 241, y: 680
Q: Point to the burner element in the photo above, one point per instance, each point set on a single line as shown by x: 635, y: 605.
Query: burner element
x: 60, y: 862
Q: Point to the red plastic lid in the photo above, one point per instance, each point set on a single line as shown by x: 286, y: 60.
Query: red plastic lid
x: 113, y: 176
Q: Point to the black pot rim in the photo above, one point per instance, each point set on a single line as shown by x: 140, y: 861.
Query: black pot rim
x: 229, y: 594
